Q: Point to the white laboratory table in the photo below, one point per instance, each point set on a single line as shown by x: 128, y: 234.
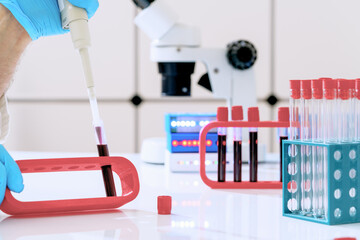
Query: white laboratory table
x: 198, y: 211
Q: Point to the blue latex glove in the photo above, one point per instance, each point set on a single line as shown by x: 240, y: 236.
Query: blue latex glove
x: 10, y: 175
x: 42, y: 17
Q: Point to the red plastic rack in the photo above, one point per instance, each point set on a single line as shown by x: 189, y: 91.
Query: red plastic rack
x: 121, y: 166
x: 283, y: 123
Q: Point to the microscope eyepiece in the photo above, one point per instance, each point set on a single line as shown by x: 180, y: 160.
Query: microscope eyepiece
x: 241, y: 54
x: 176, y: 78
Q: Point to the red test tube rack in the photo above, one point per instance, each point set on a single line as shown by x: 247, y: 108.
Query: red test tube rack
x: 283, y: 122
x: 121, y: 166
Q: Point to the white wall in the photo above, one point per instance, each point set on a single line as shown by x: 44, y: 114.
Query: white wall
x: 48, y: 100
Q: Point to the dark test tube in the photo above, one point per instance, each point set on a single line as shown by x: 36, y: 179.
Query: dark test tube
x: 221, y: 158
x: 237, y: 161
x: 253, y: 116
x: 237, y: 115
x: 107, y: 172
x: 281, y: 152
x: 222, y: 116
x: 253, y: 156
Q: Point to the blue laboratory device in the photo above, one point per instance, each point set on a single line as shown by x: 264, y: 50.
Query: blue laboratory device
x: 183, y: 130
x: 182, y: 133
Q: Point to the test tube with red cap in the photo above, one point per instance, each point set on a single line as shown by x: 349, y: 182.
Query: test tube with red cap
x: 352, y: 111
x: 330, y: 127
x: 305, y: 135
x: 357, y: 110
x: 294, y: 165
x: 222, y: 115
x: 317, y: 152
x: 237, y: 115
x: 283, y: 116
x: 330, y: 111
x: 344, y: 109
x: 253, y: 116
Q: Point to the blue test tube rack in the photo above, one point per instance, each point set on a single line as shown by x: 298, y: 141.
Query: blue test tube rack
x: 343, y: 157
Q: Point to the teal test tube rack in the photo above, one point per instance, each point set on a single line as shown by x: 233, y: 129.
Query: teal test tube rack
x: 343, y: 181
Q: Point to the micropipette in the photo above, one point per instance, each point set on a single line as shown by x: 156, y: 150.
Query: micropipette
x: 76, y: 20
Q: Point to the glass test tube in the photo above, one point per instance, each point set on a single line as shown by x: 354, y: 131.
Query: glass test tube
x: 222, y: 115
x: 237, y: 115
x: 283, y: 116
x: 317, y: 152
x: 344, y: 109
x: 294, y: 165
x: 330, y: 126
x: 253, y: 116
x: 357, y: 110
x: 352, y: 110
x: 103, y: 151
x: 305, y: 135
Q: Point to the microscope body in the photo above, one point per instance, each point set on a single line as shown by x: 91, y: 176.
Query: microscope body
x: 228, y: 77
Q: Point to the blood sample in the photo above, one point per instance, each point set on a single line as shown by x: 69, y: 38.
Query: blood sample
x: 103, y: 151
x: 237, y: 115
x: 317, y: 152
x: 222, y: 115
x: 253, y: 116
x: 305, y: 135
x: 283, y: 116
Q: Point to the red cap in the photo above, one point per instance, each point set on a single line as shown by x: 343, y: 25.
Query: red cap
x: 343, y: 89
x: 253, y: 114
x: 237, y: 113
x: 306, y: 89
x: 222, y: 114
x: 352, y: 88
x: 330, y: 86
x: 317, y: 88
x: 295, y: 89
x: 352, y: 83
x: 164, y: 205
x: 357, y: 88
x: 283, y: 114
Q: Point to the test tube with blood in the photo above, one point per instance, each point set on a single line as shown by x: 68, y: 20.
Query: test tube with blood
x: 253, y: 116
x: 283, y: 116
x: 104, y: 152
x: 222, y: 115
x: 237, y: 115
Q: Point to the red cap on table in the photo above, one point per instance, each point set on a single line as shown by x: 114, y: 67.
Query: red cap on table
x: 164, y: 205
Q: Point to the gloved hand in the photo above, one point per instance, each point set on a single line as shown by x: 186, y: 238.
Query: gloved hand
x: 10, y: 175
x: 42, y: 17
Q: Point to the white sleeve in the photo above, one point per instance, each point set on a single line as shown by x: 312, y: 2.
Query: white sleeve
x: 4, y: 119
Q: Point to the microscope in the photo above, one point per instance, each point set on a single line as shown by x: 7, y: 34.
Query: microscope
x: 177, y: 47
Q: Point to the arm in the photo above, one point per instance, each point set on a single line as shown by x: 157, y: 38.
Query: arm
x: 13, y: 41
x: 22, y: 21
